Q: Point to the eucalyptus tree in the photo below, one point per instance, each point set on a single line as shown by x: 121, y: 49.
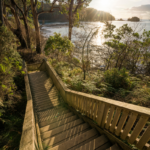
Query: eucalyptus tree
x: 71, y: 9
x: 35, y: 14
x: 13, y: 6
x: 20, y: 9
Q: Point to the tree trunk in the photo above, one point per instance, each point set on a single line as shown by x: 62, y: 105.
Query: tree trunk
x: 70, y: 30
x: 70, y: 19
x: 25, y: 16
x: 17, y: 32
x: 20, y: 37
x: 27, y: 32
x: 37, y: 30
x: 84, y: 75
x: 1, y: 13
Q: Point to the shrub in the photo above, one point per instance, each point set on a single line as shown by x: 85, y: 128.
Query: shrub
x: 76, y: 84
x: 118, y: 78
x: 10, y: 62
x: 58, y: 45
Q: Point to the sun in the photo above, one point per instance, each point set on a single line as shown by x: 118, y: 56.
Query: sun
x: 105, y: 5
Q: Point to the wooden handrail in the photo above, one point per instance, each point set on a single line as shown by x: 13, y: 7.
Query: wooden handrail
x: 127, y: 121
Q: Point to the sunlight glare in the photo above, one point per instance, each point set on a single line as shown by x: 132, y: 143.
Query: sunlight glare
x: 105, y: 5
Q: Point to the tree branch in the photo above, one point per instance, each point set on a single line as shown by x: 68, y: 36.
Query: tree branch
x: 80, y: 3
x: 8, y: 24
x: 35, y: 3
x: 12, y: 9
x: 54, y: 1
x: 28, y: 8
x: 49, y: 11
x: 18, y: 7
x: 41, y: 12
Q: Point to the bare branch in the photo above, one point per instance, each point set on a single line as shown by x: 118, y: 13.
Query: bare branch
x: 18, y: 7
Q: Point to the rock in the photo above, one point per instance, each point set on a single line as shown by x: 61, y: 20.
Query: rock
x: 136, y: 19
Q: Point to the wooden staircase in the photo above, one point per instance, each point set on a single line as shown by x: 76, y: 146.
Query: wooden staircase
x: 61, y: 129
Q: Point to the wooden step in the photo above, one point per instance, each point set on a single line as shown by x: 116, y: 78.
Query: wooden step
x: 95, y: 143
x: 76, y: 140
x: 51, y: 111
x: 52, y: 120
x: 51, y: 116
x: 41, y: 99
x: 48, y: 103
x: 114, y: 147
x: 105, y: 146
x: 57, y: 124
x: 65, y: 135
x: 40, y: 84
x: 43, y: 94
x: 61, y: 128
x: 48, y: 107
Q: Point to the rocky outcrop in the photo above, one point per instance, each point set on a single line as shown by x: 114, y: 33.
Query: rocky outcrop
x: 136, y: 19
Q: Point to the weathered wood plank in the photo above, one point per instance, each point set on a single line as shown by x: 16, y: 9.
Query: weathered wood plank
x: 144, y: 139
x: 105, y: 115
x: 129, y: 125
x: 138, y: 128
x: 112, y: 109
x: 100, y: 112
x: 94, y: 144
x: 121, y: 122
x: 115, y: 120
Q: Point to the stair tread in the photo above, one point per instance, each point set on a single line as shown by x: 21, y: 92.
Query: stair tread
x: 51, y: 111
x: 76, y: 140
x: 55, y: 119
x: 61, y: 128
x: 95, y: 143
x: 66, y: 134
x: 114, y: 147
x: 105, y: 146
x: 57, y: 124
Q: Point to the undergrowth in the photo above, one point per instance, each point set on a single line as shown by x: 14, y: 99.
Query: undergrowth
x: 115, y: 84
x: 12, y: 92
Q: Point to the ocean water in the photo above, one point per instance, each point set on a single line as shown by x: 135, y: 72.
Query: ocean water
x: 50, y: 28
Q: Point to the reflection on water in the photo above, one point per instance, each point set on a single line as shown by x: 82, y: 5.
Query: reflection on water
x: 50, y: 28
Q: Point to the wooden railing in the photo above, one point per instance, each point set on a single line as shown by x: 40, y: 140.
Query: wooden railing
x: 30, y: 138
x: 127, y: 121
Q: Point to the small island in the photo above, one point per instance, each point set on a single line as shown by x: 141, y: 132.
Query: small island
x: 136, y: 19
x: 120, y: 19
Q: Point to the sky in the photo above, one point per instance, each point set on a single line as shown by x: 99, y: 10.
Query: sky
x: 124, y: 8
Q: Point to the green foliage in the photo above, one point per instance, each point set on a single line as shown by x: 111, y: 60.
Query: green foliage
x: 12, y: 117
x: 91, y: 14
x: 129, y: 49
x: 10, y: 62
x: 58, y: 44
x: 118, y: 78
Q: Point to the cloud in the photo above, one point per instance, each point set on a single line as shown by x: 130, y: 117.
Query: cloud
x: 141, y: 8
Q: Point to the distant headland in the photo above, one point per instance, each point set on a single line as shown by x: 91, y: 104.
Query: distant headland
x: 136, y: 19
x: 120, y: 19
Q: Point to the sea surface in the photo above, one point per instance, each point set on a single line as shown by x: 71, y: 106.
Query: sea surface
x: 49, y: 28
x: 79, y: 35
